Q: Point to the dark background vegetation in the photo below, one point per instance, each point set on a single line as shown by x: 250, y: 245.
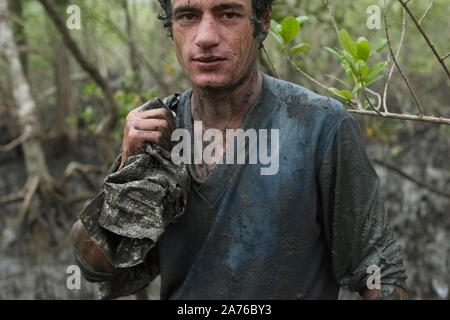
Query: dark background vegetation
x: 131, y: 52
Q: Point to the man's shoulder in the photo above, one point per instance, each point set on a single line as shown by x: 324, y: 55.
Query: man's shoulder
x: 302, y: 101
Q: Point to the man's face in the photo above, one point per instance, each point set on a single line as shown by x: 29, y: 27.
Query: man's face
x: 214, y: 40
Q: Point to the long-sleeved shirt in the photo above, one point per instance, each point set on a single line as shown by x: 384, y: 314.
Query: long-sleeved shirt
x: 317, y: 224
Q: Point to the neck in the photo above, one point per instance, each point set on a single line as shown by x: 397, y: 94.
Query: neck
x: 226, y: 108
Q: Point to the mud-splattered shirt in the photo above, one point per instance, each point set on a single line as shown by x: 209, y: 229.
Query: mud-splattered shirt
x: 316, y: 225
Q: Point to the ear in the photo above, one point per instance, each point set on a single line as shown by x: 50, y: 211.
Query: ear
x: 266, y: 19
x: 265, y: 23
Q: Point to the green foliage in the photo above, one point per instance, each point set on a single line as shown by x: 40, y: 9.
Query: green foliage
x: 91, y: 89
x: 286, y: 32
x: 354, y: 57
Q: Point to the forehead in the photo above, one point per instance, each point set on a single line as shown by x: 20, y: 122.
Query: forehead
x: 211, y: 3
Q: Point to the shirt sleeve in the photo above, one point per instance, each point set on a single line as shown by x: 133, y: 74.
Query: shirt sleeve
x: 123, y: 281
x: 355, y: 223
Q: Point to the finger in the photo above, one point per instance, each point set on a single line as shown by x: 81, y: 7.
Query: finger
x: 161, y: 113
x: 152, y: 136
x: 142, y: 136
x: 160, y: 125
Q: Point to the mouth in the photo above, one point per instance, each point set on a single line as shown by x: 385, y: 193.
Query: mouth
x: 208, y: 61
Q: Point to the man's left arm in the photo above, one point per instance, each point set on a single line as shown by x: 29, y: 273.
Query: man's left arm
x: 355, y: 223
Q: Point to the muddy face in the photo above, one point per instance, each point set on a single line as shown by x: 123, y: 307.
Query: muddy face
x: 214, y: 41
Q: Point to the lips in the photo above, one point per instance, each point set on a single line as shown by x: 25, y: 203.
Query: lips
x: 208, y: 59
x: 208, y: 62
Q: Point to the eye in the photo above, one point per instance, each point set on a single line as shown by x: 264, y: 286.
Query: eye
x: 229, y: 15
x: 188, y: 16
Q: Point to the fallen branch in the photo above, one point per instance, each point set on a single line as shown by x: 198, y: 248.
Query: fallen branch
x: 412, y: 179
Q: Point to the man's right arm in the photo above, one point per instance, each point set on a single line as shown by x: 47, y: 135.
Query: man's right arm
x: 89, y: 257
x: 141, y: 127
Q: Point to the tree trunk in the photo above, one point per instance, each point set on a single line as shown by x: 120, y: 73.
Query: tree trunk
x: 18, y: 27
x: 25, y: 112
x: 113, y: 112
x: 65, y: 105
x: 104, y: 141
x: 134, y: 56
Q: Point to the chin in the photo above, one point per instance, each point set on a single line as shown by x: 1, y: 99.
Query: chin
x: 211, y: 81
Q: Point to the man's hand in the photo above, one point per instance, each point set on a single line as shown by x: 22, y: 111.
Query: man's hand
x: 154, y: 125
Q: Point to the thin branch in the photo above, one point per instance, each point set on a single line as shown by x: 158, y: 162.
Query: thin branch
x: 16, y: 142
x: 311, y: 78
x: 332, y: 16
x: 389, y: 115
x: 378, y: 97
x: 12, y: 197
x: 367, y: 98
x: 427, y: 11
x: 150, y: 69
x: 83, y: 169
x: 397, y: 54
x: 79, y: 198
x: 446, y: 56
x: 30, y: 189
x: 413, y: 179
x: 274, y: 70
x: 427, y: 39
x: 413, y: 93
x: 113, y: 111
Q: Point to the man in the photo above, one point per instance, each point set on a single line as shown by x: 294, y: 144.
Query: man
x: 301, y: 233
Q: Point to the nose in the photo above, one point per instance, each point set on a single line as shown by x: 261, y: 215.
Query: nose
x: 207, y: 33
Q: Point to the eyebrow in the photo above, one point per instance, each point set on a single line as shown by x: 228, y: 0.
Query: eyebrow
x: 219, y: 7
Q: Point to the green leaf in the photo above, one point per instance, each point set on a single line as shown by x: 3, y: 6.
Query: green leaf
x: 300, y: 48
x: 302, y: 19
x: 347, y: 43
x: 376, y: 69
x: 275, y: 29
x: 357, y: 88
x: 343, y: 93
x: 381, y: 45
x: 275, y: 26
x: 373, y: 80
x: 364, y: 69
x: 290, y: 28
x: 334, y: 52
x: 339, y: 80
x: 352, y: 62
x: 87, y: 114
x: 363, y: 49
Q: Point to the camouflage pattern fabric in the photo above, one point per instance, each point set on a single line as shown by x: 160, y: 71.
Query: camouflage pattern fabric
x: 138, y: 202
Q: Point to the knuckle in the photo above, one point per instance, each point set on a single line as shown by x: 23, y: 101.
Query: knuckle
x: 158, y: 137
x: 164, y: 124
x: 133, y: 135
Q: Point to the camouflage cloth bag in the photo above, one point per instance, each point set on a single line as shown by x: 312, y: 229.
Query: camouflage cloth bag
x: 138, y: 202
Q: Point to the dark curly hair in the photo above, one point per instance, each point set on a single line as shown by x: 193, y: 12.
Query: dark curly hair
x: 260, y: 7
